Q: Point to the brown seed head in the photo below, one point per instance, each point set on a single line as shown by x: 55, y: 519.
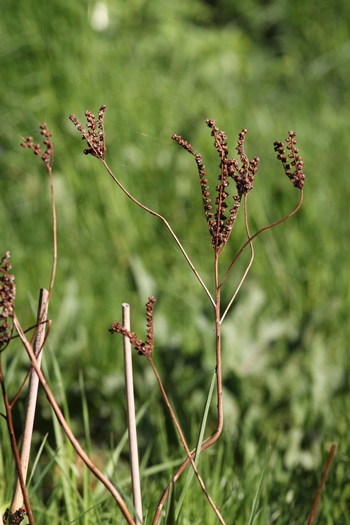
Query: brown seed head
x: 7, y: 301
x: 292, y: 162
x: 94, y: 136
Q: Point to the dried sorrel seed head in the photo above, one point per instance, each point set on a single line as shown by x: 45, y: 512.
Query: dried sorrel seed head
x: 220, y: 224
x: 149, y: 317
x: 7, y: 300
x: 143, y: 348
x: 47, y: 156
x: 95, y: 136
x: 118, y: 328
x: 15, y: 518
x: 292, y: 162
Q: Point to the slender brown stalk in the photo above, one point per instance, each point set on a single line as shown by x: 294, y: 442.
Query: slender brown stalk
x: 249, y: 264
x: 218, y: 321
x: 220, y: 420
x: 54, y: 231
x: 7, y: 312
x: 190, y: 455
x: 268, y: 227
x: 322, y: 484
x: 15, y: 452
x: 47, y: 156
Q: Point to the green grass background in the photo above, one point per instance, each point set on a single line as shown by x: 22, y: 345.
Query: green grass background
x: 163, y: 67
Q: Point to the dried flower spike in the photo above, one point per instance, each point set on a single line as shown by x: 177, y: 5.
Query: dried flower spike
x: 94, y: 136
x: 143, y: 348
x: 219, y: 223
x: 292, y: 163
x: 47, y: 156
x: 7, y: 299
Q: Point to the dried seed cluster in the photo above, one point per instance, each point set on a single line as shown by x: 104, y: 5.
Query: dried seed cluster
x: 16, y: 517
x: 294, y: 166
x: 143, y: 348
x: 47, y: 156
x: 220, y: 223
x: 7, y: 300
x: 95, y: 136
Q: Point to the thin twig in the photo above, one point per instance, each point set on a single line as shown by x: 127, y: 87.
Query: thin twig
x: 322, y: 484
x: 190, y: 455
x: 54, y: 231
x: 220, y: 421
x: 272, y: 225
x: 15, y: 451
x: 249, y: 264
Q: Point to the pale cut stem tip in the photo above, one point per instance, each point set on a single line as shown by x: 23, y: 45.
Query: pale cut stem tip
x: 130, y: 404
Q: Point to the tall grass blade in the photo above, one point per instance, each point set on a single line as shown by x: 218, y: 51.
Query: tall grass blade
x: 171, y: 519
x: 258, y: 491
x: 199, y: 445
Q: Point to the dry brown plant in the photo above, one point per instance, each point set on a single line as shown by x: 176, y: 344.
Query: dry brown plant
x: 221, y: 212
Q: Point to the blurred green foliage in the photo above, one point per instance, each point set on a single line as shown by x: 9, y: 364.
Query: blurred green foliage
x: 161, y: 68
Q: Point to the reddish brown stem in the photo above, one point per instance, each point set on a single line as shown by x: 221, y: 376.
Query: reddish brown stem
x: 272, y: 225
x: 322, y: 484
x: 15, y: 451
x: 190, y: 455
x: 216, y: 434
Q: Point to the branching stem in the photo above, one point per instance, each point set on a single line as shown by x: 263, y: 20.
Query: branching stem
x: 172, y: 233
x: 272, y: 225
x: 190, y: 455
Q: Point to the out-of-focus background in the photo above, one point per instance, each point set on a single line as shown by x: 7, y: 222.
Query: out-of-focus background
x: 161, y: 68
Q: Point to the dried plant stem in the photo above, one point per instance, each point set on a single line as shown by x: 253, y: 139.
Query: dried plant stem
x: 75, y: 443
x: 322, y: 484
x: 218, y: 320
x: 190, y: 455
x: 272, y: 225
x: 54, y: 230
x: 155, y: 214
x: 220, y: 221
x: 15, y: 452
x: 220, y: 421
x: 130, y: 404
x: 249, y: 264
x: 32, y: 395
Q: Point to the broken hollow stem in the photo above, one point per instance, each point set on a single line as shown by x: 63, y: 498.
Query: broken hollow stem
x: 130, y: 405
x: 17, y: 499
